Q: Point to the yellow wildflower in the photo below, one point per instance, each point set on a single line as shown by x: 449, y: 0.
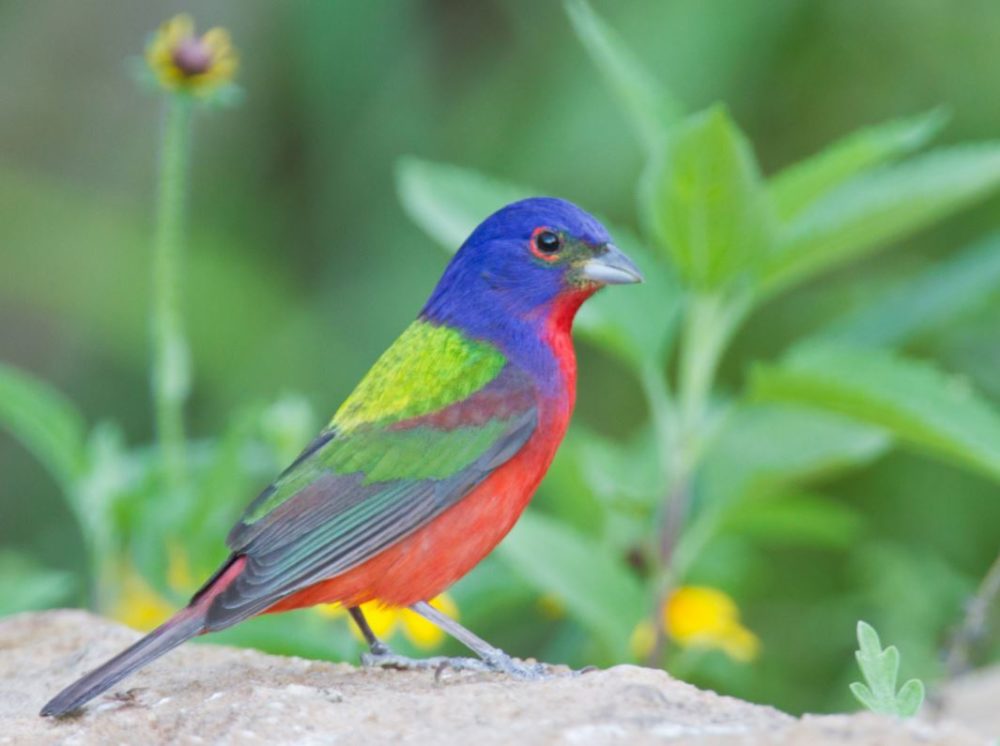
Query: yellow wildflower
x: 183, y: 61
x: 386, y: 621
x: 138, y: 605
x: 179, y: 576
x: 698, y: 616
x: 551, y: 606
x: 643, y: 639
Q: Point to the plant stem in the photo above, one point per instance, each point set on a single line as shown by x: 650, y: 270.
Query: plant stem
x: 708, y: 325
x: 973, y: 626
x: 171, y: 361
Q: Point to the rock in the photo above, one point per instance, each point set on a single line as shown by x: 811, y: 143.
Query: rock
x: 974, y: 700
x: 219, y: 695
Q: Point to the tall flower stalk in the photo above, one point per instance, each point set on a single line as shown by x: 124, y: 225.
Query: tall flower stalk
x: 171, y: 361
x: 191, y: 70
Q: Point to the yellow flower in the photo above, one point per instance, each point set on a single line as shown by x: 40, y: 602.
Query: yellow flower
x: 551, y: 606
x: 138, y: 605
x: 702, y: 617
x: 179, y: 576
x: 643, y: 639
x: 182, y: 61
x: 386, y: 621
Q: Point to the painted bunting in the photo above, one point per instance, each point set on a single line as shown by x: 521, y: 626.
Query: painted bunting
x: 430, y: 461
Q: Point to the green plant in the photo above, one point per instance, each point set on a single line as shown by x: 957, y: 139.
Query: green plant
x: 880, y: 669
x: 714, y: 467
x: 811, y: 496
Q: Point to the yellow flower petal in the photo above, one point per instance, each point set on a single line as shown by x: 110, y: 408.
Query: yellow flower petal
x: 138, y: 605
x: 551, y: 606
x: 179, y: 576
x: 423, y: 633
x: 331, y: 611
x: 698, y: 616
x: 643, y: 639
x: 212, y: 57
x: 381, y: 619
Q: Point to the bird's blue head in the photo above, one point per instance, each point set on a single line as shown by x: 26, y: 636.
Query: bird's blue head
x: 527, y: 266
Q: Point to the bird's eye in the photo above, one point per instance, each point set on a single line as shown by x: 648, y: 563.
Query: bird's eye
x: 546, y: 243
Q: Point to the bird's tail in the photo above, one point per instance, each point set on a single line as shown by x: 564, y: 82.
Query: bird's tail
x: 182, y: 626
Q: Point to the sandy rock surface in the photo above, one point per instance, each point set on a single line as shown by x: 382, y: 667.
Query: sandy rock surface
x: 213, y: 694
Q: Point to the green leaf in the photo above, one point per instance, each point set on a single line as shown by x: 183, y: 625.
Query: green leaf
x: 881, y: 206
x: 938, y: 295
x: 802, y: 183
x: 45, y: 422
x: 597, y: 589
x: 705, y: 201
x: 26, y: 586
x: 763, y: 446
x: 796, y: 520
x: 869, y: 644
x: 619, y: 471
x: 864, y: 695
x: 650, y: 107
x: 880, y: 669
x: 909, y: 698
x: 447, y: 201
x: 922, y: 406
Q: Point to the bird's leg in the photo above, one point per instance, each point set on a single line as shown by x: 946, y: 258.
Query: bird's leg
x: 375, y: 645
x: 380, y: 655
x: 493, y: 658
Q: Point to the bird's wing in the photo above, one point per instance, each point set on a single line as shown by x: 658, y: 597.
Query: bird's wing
x: 451, y: 412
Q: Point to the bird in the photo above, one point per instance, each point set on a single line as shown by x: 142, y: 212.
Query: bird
x: 432, y: 458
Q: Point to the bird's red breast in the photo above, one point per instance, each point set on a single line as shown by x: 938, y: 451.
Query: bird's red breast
x: 429, y: 560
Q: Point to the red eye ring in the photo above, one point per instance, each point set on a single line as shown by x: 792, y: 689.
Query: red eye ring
x: 546, y: 244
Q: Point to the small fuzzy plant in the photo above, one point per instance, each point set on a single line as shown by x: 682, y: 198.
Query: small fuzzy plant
x: 880, y: 669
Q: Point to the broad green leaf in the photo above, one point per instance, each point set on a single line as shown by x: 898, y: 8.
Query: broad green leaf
x: 651, y: 108
x: 766, y: 445
x: 597, y: 589
x: 706, y: 203
x: 938, y: 295
x: 797, y: 519
x: 45, y: 422
x: 634, y: 323
x: 802, y: 183
x: 621, y: 472
x: 916, y: 402
x: 447, y: 201
x: 26, y: 586
x: 884, y: 205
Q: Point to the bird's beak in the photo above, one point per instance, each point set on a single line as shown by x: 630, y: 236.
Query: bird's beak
x: 611, y: 267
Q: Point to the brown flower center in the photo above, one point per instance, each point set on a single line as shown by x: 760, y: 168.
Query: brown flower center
x: 192, y: 57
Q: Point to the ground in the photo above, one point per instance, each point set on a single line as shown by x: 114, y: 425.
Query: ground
x: 213, y: 694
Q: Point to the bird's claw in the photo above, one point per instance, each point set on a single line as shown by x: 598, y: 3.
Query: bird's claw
x: 499, y: 662
x: 398, y: 662
x: 503, y: 663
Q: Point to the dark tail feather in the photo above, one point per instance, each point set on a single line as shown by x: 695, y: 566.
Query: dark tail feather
x: 183, y: 626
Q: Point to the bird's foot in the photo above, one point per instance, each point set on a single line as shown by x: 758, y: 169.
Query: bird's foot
x: 517, y: 669
x: 388, y: 659
x: 498, y: 662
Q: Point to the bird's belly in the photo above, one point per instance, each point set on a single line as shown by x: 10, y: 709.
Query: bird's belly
x: 426, y: 562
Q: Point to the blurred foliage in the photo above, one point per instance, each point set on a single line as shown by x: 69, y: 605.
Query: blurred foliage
x: 786, y: 413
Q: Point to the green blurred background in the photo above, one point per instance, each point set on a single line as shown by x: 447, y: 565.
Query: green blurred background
x: 302, y: 266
